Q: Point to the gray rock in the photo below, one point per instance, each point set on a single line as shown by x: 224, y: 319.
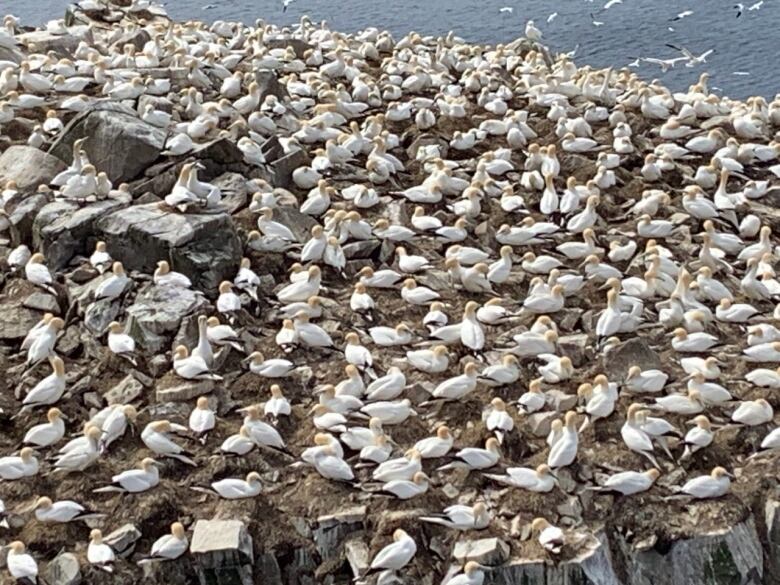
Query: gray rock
x: 70, y: 342
x: 23, y: 215
x: 123, y: 539
x: 634, y: 352
x: 113, y: 131
x: 29, y: 167
x: 772, y: 518
x: 216, y: 155
x: 9, y: 54
x: 560, y: 401
x: 356, y: 552
x: 269, y: 85
x: 485, y: 551
x: 158, y: 365
x: 63, y: 570
x: 158, y: 102
x: 184, y: 392
x: 136, y: 36
x: 205, y: 247
x: 222, y: 551
x: 99, y: 314
x: 299, y: 45
x: 284, y: 166
x: 272, y: 149
x: 333, y: 529
x: 44, y: 41
x: 125, y: 392
x: 427, y: 140
x: 235, y: 194
x: 63, y: 229
x: 732, y: 554
x: 157, y: 312
x: 42, y: 302
x: 591, y: 566
x: 539, y: 422
x: 17, y: 320
x: 299, y: 223
x: 575, y: 347
x: 360, y: 249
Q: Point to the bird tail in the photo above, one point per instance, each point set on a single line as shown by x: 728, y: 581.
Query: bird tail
x: 182, y: 458
x: 435, y: 520
x: 109, y: 489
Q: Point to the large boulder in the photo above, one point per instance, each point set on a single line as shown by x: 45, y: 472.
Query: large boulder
x: 222, y: 550
x: 730, y: 554
x: 592, y: 565
x: 64, y: 45
x: 63, y: 229
x: 118, y: 142
x: 29, y: 167
x: 205, y: 247
x: 157, y: 313
x: 634, y: 352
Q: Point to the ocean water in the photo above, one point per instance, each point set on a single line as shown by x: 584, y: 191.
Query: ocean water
x: 745, y: 61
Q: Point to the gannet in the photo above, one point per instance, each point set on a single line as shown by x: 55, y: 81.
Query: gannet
x: 460, y: 517
x: 168, y: 547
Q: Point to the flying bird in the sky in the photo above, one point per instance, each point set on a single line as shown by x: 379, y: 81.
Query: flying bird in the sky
x: 682, y: 15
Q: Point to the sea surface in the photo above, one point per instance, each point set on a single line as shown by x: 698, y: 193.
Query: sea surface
x: 745, y: 62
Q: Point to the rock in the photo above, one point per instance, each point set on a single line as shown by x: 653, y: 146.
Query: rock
x: 125, y: 392
x: 539, y: 422
x: 485, y: 551
x: 360, y: 249
x: 42, y: 302
x: 234, y: 191
x: 216, y: 155
x: 17, y: 320
x: 560, y: 401
x: 157, y: 312
x: 269, y: 85
x: 575, y: 347
x: 44, y: 41
x: 70, y: 342
x: 427, y: 140
x: 204, y: 247
x: 63, y: 570
x: 157, y: 102
x: 135, y: 36
x: 23, y: 216
x: 272, y: 149
x: 331, y: 530
x: 99, y: 314
x: 29, y: 167
x: 299, y: 223
x: 591, y: 566
x: 299, y: 45
x: 184, y: 392
x: 158, y: 365
x: 63, y: 229
x: 772, y: 518
x: 112, y: 129
x: 634, y: 352
x: 732, y: 554
x: 123, y: 539
x: 284, y: 166
x: 356, y: 552
x: 222, y: 552
x: 9, y: 54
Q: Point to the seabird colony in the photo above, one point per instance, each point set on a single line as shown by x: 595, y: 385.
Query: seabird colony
x: 535, y: 299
